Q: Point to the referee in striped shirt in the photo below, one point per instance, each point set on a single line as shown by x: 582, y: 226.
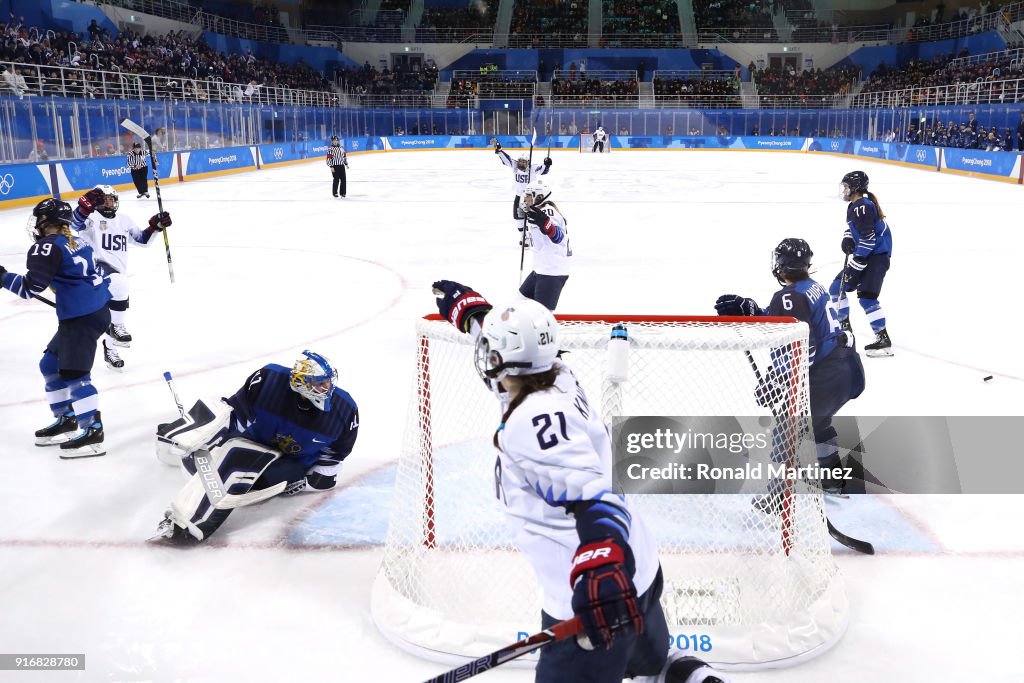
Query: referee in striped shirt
x: 338, y: 162
x: 139, y: 167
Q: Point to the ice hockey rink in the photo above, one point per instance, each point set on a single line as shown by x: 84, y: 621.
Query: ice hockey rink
x: 268, y: 263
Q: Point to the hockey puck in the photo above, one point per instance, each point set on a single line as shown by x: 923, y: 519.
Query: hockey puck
x: 987, y: 378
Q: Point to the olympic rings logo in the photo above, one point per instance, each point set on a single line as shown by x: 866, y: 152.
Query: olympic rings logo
x: 6, y: 183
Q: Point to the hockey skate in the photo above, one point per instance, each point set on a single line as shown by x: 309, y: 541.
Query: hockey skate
x: 139, y: 196
x: 146, y: 195
x: 169, y: 533
x: 63, y: 429
x: 112, y: 358
x: 88, y: 443
x: 881, y: 347
x: 119, y: 335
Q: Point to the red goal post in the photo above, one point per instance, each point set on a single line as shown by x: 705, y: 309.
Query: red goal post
x: 763, y: 589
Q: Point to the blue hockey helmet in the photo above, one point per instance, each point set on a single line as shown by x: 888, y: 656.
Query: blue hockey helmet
x: 792, y: 256
x: 313, y: 377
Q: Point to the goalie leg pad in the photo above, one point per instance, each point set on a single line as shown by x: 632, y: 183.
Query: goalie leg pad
x: 222, y: 479
x: 201, y: 426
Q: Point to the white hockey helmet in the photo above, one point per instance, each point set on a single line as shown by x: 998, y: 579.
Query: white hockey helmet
x: 111, y: 201
x: 313, y: 378
x: 519, y: 339
x: 538, y: 193
x: 522, y: 161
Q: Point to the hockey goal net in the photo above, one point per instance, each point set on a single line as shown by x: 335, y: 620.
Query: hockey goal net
x: 742, y: 588
x: 587, y: 143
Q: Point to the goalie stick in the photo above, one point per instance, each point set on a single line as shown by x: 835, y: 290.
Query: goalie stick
x: 141, y: 132
x: 560, y: 631
x: 848, y: 541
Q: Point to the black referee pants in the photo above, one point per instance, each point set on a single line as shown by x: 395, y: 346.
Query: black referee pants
x: 339, y: 180
x: 140, y: 176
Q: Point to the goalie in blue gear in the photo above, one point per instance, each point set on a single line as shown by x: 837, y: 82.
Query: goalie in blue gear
x: 285, y: 431
x: 836, y: 374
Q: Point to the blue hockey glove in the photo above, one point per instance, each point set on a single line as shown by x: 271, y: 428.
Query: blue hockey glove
x: 733, y: 304
x: 849, y: 244
x: 603, y: 594
x: 459, y: 304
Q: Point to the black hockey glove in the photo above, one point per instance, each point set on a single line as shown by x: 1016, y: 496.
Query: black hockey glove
x: 459, y: 304
x: 3, y: 271
x: 160, y: 221
x: 541, y: 220
x: 693, y: 670
x: 603, y: 594
x: 732, y: 304
x: 770, y: 391
x: 547, y: 161
x: 849, y: 244
x: 497, y: 147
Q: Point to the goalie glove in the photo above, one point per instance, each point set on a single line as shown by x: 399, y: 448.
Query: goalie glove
x: 603, y: 595
x: 459, y: 304
x: 731, y: 304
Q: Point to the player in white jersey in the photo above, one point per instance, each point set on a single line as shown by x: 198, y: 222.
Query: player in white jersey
x: 523, y: 175
x: 599, y: 137
x: 593, y: 556
x: 548, y: 239
x: 97, y: 222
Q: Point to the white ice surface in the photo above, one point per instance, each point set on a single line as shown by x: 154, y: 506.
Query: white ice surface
x: 268, y: 263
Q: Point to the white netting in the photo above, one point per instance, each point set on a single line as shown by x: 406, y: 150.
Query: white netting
x: 764, y: 588
x: 587, y: 143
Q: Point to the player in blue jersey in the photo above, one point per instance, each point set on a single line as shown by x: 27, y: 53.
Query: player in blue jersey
x: 60, y: 261
x: 836, y: 374
x: 868, y: 241
x: 283, y: 432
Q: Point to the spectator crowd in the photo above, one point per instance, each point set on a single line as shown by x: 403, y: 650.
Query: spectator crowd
x: 786, y: 86
x: 35, y: 61
x: 408, y: 87
x: 594, y: 91
x: 554, y: 22
x: 698, y: 92
x: 946, y: 80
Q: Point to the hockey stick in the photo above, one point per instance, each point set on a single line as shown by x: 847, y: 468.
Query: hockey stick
x: 560, y: 631
x: 141, y: 132
x: 848, y: 541
x: 174, y: 393
x: 44, y: 300
x: 529, y: 171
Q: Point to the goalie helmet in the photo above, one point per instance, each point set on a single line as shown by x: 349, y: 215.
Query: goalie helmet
x: 537, y: 192
x: 854, y: 183
x: 792, y: 256
x: 313, y: 377
x: 522, y: 161
x: 49, y: 212
x: 521, y: 339
x: 111, y: 201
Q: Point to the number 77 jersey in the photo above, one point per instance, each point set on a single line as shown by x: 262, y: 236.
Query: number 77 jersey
x: 68, y: 267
